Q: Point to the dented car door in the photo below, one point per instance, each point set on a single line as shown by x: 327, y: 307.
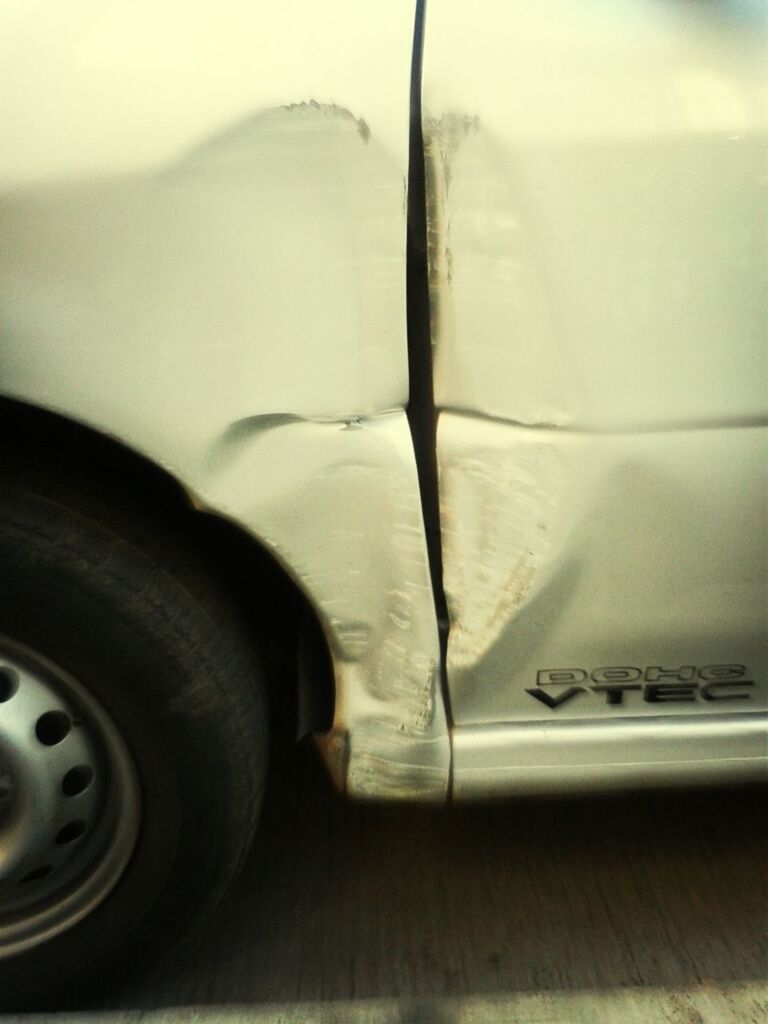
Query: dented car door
x: 596, y: 229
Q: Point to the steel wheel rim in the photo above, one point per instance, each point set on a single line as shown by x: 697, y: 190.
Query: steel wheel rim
x: 69, y: 801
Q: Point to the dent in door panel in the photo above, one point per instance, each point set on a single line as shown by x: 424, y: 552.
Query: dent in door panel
x: 238, y: 316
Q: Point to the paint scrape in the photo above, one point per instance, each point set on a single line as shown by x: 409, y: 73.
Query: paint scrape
x: 497, y: 344
x: 497, y: 510
x: 338, y: 504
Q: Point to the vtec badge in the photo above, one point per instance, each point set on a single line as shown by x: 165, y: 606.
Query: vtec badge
x: 557, y: 686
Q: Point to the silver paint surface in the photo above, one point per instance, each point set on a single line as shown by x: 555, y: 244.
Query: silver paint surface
x: 217, y: 279
x: 600, y: 755
x: 597, y: 226
x: 202, y: 254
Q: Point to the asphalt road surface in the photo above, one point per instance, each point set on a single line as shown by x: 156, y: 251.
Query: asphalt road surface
x: 345, y: 905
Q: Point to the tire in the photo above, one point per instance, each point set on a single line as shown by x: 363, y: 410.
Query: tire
x: 126, y: 609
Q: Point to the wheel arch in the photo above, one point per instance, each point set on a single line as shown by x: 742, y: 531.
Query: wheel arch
x: 280, y: 616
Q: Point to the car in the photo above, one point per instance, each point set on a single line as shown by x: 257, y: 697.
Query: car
x: 391, y: 373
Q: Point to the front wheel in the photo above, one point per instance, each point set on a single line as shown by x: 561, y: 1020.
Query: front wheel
x: 132, y: 740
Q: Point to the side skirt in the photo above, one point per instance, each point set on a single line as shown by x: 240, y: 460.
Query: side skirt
x: 568, y: 757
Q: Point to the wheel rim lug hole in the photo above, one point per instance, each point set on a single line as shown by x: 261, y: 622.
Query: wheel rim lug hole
x: 38, y: 873
x: 77, y: 780
x: 72, y: 831
x: 9, y: 684
x: 52, y: 727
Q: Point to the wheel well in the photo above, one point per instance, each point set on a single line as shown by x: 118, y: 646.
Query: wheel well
x: 297, y: 662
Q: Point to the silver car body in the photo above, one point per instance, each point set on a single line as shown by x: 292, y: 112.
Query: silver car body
x: 203, y: 238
